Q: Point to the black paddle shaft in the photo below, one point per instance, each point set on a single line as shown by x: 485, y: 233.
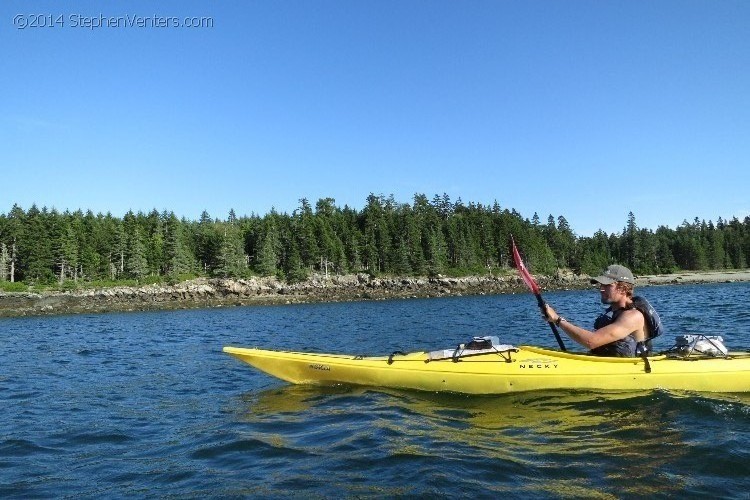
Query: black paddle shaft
x: 543, y: 307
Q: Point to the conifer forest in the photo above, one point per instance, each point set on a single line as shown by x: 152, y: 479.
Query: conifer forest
x: 422, y: 238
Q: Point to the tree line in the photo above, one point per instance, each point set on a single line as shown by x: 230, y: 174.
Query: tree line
x: 424, y: 237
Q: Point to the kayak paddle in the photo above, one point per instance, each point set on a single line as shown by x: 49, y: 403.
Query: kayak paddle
x: 526, y: 277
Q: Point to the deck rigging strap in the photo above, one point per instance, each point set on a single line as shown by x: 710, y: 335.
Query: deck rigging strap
x: 457, y: 354
x: 390, y: 358
x: 642, y: 348
x: 466, y: 353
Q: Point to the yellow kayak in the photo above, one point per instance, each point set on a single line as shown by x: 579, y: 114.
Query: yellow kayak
x: 504, y: 370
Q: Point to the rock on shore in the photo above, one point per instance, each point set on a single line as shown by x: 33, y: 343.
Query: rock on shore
x: 214, y: 292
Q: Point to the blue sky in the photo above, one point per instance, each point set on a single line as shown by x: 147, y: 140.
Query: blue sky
x: 586, y: 109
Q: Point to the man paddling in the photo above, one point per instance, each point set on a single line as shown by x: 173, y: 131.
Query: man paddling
x: 626, y: 331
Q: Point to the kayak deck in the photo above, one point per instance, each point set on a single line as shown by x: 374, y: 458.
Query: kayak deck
x: 525, y: 368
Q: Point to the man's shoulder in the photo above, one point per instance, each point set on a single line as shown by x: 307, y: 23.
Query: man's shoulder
x: 632, y: 315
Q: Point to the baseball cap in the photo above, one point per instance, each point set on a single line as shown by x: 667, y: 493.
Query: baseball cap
x: 613, y: 273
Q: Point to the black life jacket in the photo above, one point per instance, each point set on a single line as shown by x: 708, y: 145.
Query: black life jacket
x: 628, y: 346
x: 653, y: 321
x: 620, y: 348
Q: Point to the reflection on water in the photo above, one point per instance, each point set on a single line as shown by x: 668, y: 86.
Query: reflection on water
x: 566, y: 444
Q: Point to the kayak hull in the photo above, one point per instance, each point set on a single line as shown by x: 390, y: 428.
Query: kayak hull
x: 521, y: 369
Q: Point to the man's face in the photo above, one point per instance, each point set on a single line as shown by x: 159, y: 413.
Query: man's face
x: 609, y: 293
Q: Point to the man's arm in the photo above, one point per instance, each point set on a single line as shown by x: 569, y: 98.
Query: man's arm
x: 627, y: 322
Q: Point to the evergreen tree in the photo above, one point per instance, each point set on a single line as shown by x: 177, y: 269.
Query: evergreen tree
x: 734, y: 244
x: 4, y: 262
x: 232, y: 258
x: 433, y: 238
x: 207, y: 243
x: 89, y: 261
x: 177, y: 253
x: 665, y: 262
x: 689, y: 252
x: 716, y: 253
x: 331, y: 249
x: 153, y: 227
x: 647, y: 252
x: 16, y: 231
x: 67, y: 254
x: 596, y: 253
x: 118, y: 251
x: 268, y: 246
x: 304, y: 225
x: 267, y: 256
x: 564, y: 243
x: 631, y: 243
x: 411, y: 239
x: 135, y: 261
x: 435, y: 251
x: 400, y: 259
x: 487, y: 242
x: 35, y: 251
x: 351, y: 239
x: 376, y: 235
x: 294, y: 269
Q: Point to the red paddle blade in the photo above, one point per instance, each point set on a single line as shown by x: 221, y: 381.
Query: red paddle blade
x: 523, y: 271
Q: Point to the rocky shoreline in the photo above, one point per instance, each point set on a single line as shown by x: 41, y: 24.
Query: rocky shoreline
x: 213, y: 292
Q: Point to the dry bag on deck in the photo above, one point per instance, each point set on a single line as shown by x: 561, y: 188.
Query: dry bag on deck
x: 686, y: 345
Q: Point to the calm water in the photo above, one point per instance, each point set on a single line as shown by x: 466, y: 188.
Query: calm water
x: 147, y: 405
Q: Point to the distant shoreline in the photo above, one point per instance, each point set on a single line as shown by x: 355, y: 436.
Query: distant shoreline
x: 694, y: 277
x: 217, y: 292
